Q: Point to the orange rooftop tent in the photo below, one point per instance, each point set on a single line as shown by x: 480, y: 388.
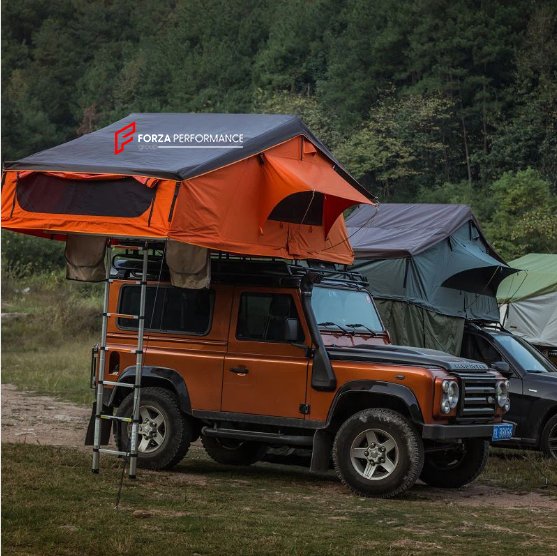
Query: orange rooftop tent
x: 252, y: 184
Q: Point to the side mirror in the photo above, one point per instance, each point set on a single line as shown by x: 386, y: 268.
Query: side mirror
x: 291, y: 330
x: 503, y: 368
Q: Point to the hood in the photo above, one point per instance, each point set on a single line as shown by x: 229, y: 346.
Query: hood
x: 404, y: 355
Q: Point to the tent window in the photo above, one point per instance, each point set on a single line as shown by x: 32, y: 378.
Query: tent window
x: 300, y: 208
x: 52, y: 195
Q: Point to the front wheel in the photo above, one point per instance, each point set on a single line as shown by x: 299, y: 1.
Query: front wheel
x: 548, y: 440
x: 164, y: 431
x: 378, y: 452
x: 457, y: 465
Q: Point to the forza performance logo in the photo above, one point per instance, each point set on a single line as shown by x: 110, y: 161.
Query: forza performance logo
x: 152, y: 141
x: 122, y: 137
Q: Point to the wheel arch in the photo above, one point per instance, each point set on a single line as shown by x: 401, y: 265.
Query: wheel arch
x: 356, y: 396
x: 162, y: 377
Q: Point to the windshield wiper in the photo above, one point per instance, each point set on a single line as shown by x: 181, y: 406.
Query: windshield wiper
x: 329, y: 323
x: 358, y: 325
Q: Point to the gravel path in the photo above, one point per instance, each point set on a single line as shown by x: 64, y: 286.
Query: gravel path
x: 31, y: 419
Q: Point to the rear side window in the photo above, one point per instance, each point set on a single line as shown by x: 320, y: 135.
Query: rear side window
x: 263, y: 317
x: 169, y: 309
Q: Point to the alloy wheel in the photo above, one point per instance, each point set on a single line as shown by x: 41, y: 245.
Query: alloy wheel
x: 374, y: 454
x: 152, y: 429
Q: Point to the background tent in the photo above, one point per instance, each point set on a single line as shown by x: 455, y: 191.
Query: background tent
x: 529, y: 299
x: 253, y: 184
x: 429, y: 267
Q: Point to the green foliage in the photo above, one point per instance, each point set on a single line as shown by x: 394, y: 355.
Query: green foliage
x: 523, y: 217
x: 400, y: 144
x: 25, y: 255
x: 412, y: 96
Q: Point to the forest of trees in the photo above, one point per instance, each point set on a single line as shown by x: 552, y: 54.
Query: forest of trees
x: 422, y: 100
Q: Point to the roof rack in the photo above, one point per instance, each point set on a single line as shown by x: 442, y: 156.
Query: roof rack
x: 241, y: 269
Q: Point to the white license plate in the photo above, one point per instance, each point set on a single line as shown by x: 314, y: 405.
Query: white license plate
x: 502, y: 431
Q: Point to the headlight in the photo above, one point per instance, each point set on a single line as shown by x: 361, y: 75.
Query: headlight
x: 451, y: 392
x: 502, y: 392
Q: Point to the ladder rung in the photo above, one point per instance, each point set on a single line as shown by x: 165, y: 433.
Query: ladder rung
x: 113, y: 452
x: 127, y: 280
x: 122, y: 316
x: 114, y: 383
x: 116, y: 418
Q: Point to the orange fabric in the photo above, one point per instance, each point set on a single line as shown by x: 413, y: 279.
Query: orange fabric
x: 47, y: 224
x: 226, y: 209
x: 285, y: 176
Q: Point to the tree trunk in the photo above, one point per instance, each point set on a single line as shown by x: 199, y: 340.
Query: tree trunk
x: 467, y: 154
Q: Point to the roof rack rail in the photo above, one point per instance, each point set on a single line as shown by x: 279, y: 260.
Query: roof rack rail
x: 230, y: 266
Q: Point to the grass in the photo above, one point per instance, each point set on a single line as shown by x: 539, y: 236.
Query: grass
x: 521, y: 471
x: 48, y: 334
x: 53, y: 504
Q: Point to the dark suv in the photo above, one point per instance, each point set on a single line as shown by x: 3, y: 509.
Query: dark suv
x: 533, y: 384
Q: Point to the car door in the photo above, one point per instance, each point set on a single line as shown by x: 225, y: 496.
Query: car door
x: 264, y: 374
x: 480, y: 348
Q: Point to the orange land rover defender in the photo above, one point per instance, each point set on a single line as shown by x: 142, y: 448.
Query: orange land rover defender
x: 294, y: 357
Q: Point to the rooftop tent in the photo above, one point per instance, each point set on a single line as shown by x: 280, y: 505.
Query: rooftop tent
x: 253, y: 184
x: 429, y: 267
x: 529, y: 299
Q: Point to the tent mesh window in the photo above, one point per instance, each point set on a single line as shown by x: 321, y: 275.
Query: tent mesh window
x: 124, y: 197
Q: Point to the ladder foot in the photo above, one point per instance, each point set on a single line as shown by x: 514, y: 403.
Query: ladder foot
x: 132, y: 476
x: 95, y: 471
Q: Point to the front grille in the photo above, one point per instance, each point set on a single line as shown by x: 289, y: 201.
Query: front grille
x: 478, y: 397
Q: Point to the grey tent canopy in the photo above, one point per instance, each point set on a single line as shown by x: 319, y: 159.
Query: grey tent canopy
x: 429, y: 267
x: 174, y: 145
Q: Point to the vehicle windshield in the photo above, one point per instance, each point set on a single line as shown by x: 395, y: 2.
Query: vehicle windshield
x: 526, y: 356
x: 346, y: 310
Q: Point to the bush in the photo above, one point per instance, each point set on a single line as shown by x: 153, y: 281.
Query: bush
x: 24, y: 255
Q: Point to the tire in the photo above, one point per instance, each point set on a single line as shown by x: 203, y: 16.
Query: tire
x: 162, y: 442
x: 357, y: 450
x: 232, y: 452
x: 548, y: 439
x: 454, y: 468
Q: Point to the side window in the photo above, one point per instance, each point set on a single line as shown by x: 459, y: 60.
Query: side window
x: 266, y: 318
x: 476, y: 347
x: 169, y: 309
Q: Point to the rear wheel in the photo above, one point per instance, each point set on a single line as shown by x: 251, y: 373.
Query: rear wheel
x: 548, y: 441
x: 164, y: 431
x: 378, y: 452
x: 232, y: 452
x: 456, y: 466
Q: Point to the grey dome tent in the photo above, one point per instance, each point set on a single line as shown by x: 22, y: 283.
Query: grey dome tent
x: 429, y: 267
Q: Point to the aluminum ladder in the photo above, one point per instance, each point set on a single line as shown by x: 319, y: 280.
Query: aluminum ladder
x: 134, y: 419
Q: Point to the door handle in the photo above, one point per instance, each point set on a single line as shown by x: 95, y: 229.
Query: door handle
x: 239, y: 370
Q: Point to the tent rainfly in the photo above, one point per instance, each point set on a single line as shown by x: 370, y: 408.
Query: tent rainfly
x: 430, y: 268
x: 252, y: 184
x: 529, y: 299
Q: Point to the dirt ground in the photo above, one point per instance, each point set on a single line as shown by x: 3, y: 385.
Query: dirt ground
x: 31, y: 419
